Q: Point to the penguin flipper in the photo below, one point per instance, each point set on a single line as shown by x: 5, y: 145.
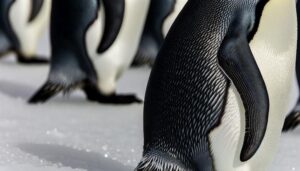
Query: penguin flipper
x: 36, y: 6
x: 291, y: 121
x: 114, y: 14
x: 238, y: 63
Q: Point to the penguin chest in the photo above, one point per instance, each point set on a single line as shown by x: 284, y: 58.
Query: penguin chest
x: 274, y: 49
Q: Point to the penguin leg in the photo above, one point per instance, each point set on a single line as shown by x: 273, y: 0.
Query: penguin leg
x: 238, y: 63
x: 31, y: 60
x: 93, y: 94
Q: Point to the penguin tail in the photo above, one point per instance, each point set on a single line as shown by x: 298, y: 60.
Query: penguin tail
x: 159, y: 161
x: 48, y: 90
x: 291, y: 121
x: 45, y: 92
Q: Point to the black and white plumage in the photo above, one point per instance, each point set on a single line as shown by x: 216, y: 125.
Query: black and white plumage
x: 93, y: 44
x: 21, y: 26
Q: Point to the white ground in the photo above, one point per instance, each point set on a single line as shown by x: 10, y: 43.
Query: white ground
x: 72, y: 134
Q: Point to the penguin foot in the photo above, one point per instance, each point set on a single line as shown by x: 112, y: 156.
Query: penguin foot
x: 47, y: 91
x: 32, y: 60
x: 117, y: 99
x: 93, y: 94
x: 291, y: 121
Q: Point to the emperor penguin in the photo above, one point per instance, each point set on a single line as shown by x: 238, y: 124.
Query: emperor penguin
x: 161, y: 15
x: 21, y: 26
x: 93, y: 43
x: 293, y: 119
x: 218, y: 90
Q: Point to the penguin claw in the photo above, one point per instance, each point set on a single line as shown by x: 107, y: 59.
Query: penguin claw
x: 33, y: 60
x: 291, y: 121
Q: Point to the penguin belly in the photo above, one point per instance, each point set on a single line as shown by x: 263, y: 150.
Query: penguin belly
x: 111, y: 64
x: 27, y: 32
x: 274, y: 49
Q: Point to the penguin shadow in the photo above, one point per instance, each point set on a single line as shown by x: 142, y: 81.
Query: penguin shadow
x: 16, y: 90
x: 68, y: 157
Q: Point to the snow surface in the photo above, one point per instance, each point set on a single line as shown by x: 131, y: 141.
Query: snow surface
x: 72, y: 134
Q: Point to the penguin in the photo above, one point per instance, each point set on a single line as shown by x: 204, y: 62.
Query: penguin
x: 160, y: 17
x: 293, y: 119
x: 22, y: 24
x: 218, y: 90
x: 93, y: 49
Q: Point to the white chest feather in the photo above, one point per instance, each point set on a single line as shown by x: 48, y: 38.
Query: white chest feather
x: 274, y: 49
x: 29, y: 33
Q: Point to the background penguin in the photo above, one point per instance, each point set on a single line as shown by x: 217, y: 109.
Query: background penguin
x: 161, y: 16
x: 217, y: 93
x: 293, y: 119
x: 21, y: 25
x: 80, y: 58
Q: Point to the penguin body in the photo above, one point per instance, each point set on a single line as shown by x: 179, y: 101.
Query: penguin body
x: 108, y: 41
x: 160, y: 17
x: 219, y: 88
x: 24, y: 23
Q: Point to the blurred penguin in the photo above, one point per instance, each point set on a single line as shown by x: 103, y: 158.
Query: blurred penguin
x: 21, y: 25
x: 93, y: 43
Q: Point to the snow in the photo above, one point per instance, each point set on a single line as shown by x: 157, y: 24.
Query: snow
x: 72, y: 134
